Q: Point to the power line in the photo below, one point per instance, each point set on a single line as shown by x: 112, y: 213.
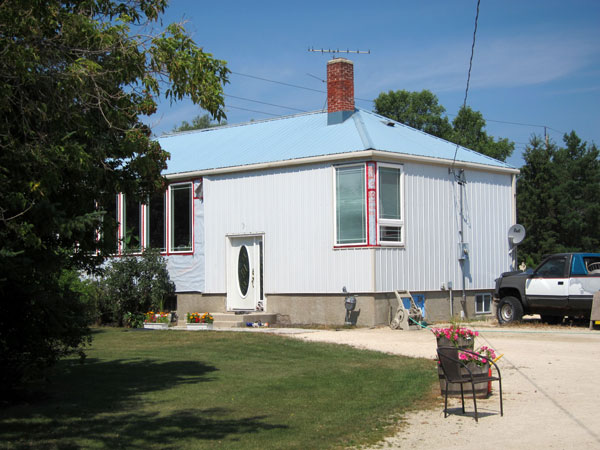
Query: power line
x: 279, y: 82
x: 264, y: 103
x: 372, y: 101
x: 253, y: 110
x: 293, y: 85
x: 469, y: 74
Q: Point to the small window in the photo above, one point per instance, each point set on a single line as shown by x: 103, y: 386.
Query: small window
x: 181, y: 217
x: 592, y: 265
x: 483, y: 303
x: 390, y: 205
x: 350, y: 205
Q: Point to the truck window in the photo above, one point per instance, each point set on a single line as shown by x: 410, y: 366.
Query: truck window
x: 592, y: 264
x: 553, y: 268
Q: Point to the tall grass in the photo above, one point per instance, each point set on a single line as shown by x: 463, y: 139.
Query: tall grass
x: 169, y: 389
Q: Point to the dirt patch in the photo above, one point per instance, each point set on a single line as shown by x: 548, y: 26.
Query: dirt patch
x: 550, y: 383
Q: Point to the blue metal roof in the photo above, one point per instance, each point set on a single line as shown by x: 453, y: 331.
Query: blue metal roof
x: 303, y: 136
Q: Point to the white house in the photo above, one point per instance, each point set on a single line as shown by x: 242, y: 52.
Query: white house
x: 279, y: 215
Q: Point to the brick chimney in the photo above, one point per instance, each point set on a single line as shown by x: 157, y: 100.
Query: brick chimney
x: 340, y: 90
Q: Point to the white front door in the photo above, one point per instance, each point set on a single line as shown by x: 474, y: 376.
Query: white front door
x: 245, y: 273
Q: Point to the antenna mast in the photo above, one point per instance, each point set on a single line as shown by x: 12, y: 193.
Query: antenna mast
x: 337, y: 50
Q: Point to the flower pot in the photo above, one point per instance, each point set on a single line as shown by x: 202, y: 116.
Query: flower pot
x: 463, y: 342
x: 156, y: 326
x: 199, y: 326
x: 482, y: 389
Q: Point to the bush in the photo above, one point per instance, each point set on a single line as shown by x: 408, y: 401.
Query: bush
x: 133, y: 285
x: 44, y: 319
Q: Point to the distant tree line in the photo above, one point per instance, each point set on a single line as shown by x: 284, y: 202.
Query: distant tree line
x: 558, y: 198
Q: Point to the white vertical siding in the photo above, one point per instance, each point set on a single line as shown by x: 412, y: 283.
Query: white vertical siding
x: 187, y: 271
x: 432, y: 210
x: 293, y: 208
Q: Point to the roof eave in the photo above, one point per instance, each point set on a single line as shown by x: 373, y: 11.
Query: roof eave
x: 339, y: 157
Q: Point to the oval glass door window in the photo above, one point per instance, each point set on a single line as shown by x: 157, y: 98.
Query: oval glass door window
x: 243, y: 270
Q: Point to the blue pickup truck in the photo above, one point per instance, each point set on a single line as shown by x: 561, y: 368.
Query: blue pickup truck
x: 562, y: 285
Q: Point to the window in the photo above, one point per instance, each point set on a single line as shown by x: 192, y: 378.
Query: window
x: 181, y: 217
x: 156, y: 222
x: 350, y: 208
x: 390, y: 205
x: 109, y: 231
x: 132, y: 230
x: 369, y: 205
x: 553, y: 268
x: 483, y: 303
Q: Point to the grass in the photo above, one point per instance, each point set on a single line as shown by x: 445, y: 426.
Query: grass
x: 168, y: 389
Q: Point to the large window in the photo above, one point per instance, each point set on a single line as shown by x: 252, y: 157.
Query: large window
x: 390, y: 204
x: 181, y: 217
x: 132, y: 230
x: 157, y: 222
x: 350, y: 210
x: 163, y: 222
x: 369, y: 205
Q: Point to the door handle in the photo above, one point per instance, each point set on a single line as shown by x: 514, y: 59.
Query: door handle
x: 252, y: 277
x: 560, y: 283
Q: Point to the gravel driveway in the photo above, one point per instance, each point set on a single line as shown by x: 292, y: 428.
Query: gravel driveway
x: 551, y: 384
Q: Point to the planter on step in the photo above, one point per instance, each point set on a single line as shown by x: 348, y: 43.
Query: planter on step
x: 482, y: 390
x: 156, y: 326
x: 199, y: 326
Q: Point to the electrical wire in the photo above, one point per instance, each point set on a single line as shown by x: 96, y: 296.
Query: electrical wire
x: 265, y: 103
x: 294, y: 85
x: 469, y: 73
x: 252, y: 110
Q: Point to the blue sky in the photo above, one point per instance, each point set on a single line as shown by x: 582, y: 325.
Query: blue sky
x: 535, y: 63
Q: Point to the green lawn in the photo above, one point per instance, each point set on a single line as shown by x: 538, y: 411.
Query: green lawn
x: 177, y: 389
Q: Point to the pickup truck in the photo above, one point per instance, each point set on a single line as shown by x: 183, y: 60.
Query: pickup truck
x: 562, y: 285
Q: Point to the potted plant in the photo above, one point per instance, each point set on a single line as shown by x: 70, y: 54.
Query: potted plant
x: 197, y: 321
x: 456, y: 336
x: 156, y: 320
x: 478, y: 365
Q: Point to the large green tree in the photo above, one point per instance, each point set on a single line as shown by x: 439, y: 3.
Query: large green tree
x: 422, y: 111
x: 468, y: 130
x: 419, y: 110
x: 558, y: 198
x: 75, y: 79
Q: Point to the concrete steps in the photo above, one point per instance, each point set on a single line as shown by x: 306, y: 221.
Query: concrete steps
x: 233, y: 320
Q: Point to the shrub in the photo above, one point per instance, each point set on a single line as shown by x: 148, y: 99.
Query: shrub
x: 133, y: 285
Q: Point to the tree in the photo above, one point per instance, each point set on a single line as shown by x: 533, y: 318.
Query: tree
x: 75, y: 78
x: 468, y: 131
x: 421, y: 110
x: 198, y: 123
x: 558, y: 198
x: 418, y: 110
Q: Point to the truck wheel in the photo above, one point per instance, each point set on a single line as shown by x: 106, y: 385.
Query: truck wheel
x: 509, y: 310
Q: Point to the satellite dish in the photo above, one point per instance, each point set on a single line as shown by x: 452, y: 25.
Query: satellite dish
x: 516, y: 234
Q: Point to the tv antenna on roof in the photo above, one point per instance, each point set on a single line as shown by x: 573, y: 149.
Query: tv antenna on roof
x: 337, y: 50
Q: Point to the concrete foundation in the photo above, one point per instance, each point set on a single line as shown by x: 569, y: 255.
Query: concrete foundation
x: 371, y: 309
